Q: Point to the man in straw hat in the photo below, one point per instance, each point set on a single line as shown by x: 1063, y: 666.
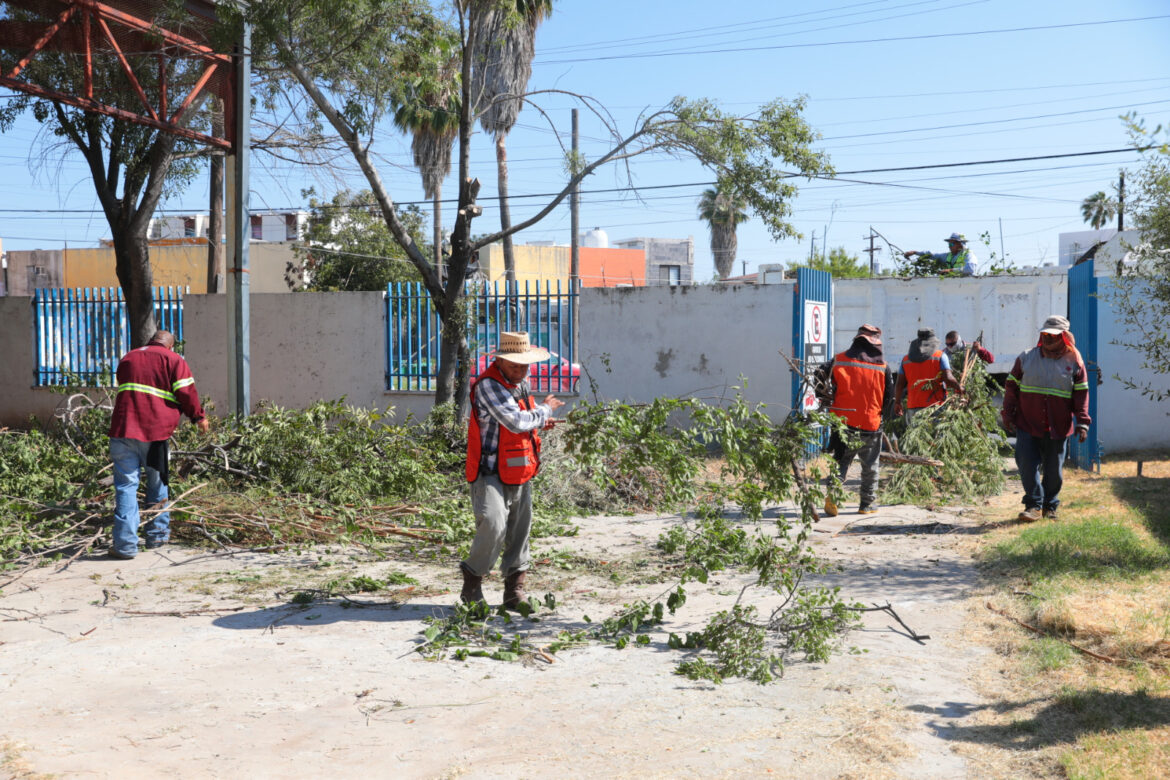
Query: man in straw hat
x: 503, y: 455
x: 956, y: 260
x: 857, y: 385
x: 1046, y: 399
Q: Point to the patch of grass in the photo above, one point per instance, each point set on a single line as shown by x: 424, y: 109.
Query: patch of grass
x: 1098, y: 577
x: 1094, y: 548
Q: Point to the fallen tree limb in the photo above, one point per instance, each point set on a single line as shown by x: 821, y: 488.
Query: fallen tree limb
x: 1109, y: 659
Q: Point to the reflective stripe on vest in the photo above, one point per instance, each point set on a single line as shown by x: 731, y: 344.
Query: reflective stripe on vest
x: 134, y: 387
x: 919, y: 376
x: 1049, y: 376
x: 860, y: 388
x: 518, y: 454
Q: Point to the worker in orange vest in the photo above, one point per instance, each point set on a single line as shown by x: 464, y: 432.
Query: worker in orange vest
x: 503, y: 455
x: 924, y: 377
x: 857, y: 386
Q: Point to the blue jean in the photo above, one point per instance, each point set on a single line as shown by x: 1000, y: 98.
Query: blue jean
x: 1041, y: 463
x: 129, y: 456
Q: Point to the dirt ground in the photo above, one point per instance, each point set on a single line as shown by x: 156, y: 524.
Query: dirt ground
x: 185, y: 666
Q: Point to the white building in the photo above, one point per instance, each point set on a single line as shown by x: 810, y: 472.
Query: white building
x: 1073, y: 245
x: 266, y: 226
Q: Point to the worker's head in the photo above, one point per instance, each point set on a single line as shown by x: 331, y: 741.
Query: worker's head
x: 516, y: 354
x: 956, y: 242
x: 1055, y: 335
x: 163, y: 338
x: 869, y: 334
x: 953, y: 340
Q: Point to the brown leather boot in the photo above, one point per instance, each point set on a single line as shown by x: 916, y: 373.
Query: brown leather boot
x: 472, y: 587
x: 514, y: 589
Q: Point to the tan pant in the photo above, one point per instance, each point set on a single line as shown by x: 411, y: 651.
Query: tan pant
x: 503, y: 518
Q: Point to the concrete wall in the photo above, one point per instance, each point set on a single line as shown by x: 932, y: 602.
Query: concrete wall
x: 638, y: 343
x: 305, y: 347
x: 1127, y: 421
x: 1008, y: 310
x: 18, y: 398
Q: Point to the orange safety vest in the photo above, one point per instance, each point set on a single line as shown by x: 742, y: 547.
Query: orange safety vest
x: 861, y: 387
x: 917, y: 375
x: 518, y: 456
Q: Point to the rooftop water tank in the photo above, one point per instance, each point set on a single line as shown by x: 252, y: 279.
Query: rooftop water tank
x: 595, y: 238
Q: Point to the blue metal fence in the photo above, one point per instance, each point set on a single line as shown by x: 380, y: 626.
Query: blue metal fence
x: 81, y: 333
x: 544, y: 310
x: 1082, y: 315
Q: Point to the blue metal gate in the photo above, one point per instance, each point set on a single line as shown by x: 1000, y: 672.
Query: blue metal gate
x: 81, y: 333
x: 812, y: 338
x: 1082, y: 314
x: 812, y: 329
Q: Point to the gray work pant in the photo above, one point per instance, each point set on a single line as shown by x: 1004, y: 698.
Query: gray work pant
x: 503, y: 517
x: 868, y: 451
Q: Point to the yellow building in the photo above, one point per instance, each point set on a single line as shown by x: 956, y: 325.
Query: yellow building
x: 179, y: 265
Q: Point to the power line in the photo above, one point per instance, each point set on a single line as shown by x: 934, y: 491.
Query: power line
x: 929, y: 36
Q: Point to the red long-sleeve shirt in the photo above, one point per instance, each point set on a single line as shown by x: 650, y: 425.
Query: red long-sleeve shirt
x: 1047, y: 396
x: 154, y: 386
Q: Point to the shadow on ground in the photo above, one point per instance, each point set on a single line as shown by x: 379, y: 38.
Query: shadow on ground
x: 1062, y: 721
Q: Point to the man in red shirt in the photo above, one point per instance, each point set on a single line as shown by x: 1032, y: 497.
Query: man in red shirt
x: 1046, y: 400
x: 154, y: 385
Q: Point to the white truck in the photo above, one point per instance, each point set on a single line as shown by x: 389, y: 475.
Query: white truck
x: 1007, y: 310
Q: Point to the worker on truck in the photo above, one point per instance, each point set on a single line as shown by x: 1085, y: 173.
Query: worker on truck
x: 957, y: 260
x: 924, y: 376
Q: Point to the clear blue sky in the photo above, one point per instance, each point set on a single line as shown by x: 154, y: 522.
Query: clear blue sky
x: 890, y: 84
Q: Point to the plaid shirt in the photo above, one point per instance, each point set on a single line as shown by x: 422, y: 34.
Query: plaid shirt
x: 495, y: 405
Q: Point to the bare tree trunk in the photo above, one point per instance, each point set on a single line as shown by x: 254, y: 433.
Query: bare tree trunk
x: 437, y: 229
x: 132, y: 265
x: 505, y: 214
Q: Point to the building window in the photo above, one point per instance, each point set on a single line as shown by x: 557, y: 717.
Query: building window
x: 258, y: 228
x: 670, y: 274
x: 189, y: 227
x: 290, y: 227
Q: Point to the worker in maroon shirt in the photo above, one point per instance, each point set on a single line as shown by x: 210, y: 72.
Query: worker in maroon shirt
x: 154, y: 385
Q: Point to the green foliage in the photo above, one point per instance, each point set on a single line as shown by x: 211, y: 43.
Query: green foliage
x: 669, y: 439
x: 839, y: 263
x: 476, y: 631
x: 347, y: 245
x: 334, y: 452
x: 1098, y: 209
x: 963, y: 432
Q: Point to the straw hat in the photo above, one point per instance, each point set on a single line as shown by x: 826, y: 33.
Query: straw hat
x: 515, y: 348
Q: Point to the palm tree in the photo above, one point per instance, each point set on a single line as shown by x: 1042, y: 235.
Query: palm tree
x: 1098, y: 209
x: 723, y: 211
x: 433, y: 121
x: 505, y: 43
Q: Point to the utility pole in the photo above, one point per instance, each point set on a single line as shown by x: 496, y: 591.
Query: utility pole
x: 575, y: 244
x: 744, y: 263
x: 1121, y: 203
x: 872, y: 251
x: 812, y: 248
x: 1002, y: 254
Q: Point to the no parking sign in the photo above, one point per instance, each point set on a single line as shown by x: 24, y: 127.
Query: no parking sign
x: 816, y: 345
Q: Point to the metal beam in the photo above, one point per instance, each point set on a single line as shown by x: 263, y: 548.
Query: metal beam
x: 239, y: 233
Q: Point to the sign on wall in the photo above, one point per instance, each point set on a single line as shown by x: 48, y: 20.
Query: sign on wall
x: 816, y: 346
